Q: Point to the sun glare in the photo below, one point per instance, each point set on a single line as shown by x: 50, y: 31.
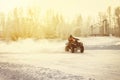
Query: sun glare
x: 68, y: 8
x: 7, y: 5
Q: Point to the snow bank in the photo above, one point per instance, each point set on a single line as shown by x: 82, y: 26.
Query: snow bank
x: 30, y: 45
x: 25, y: 72
x: 100, y: 40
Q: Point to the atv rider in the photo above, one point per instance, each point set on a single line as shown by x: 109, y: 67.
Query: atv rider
x: 72, y: 39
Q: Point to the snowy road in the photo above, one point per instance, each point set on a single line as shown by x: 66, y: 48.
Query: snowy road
x: 46, y: 60
x: 94, y: 64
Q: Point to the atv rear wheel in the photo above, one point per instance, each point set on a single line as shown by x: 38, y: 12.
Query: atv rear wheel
x: 72, y: 50
x: 82, y: 49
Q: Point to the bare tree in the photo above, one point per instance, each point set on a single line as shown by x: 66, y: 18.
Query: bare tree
x: 117, y: 13
x: 2, y: 23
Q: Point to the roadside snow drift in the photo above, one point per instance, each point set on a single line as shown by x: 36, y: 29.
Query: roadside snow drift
x: 26, y: 72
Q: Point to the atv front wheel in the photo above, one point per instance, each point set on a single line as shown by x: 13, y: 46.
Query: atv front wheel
x: 66, y: 48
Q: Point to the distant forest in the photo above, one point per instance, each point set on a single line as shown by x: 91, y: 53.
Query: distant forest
x: 22, y: 23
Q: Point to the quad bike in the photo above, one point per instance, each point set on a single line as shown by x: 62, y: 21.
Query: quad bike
x: 74, y: 46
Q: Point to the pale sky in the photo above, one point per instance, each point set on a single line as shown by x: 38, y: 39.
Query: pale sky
x: 69, y: 8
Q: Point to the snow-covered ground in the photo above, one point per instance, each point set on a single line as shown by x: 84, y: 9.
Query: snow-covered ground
x: 46, y: 60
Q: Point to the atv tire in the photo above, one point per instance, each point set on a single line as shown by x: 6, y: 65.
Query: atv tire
x: 72, y: 50
x: 66, y: 48
x: 82, y: 49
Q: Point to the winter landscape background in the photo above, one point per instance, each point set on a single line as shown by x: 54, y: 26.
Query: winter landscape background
x: 33, y: 36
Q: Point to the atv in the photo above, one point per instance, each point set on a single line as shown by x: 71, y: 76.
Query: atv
x: 74, y: 46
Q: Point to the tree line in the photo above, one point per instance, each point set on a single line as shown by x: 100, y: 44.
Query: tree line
x: 22, y: 23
